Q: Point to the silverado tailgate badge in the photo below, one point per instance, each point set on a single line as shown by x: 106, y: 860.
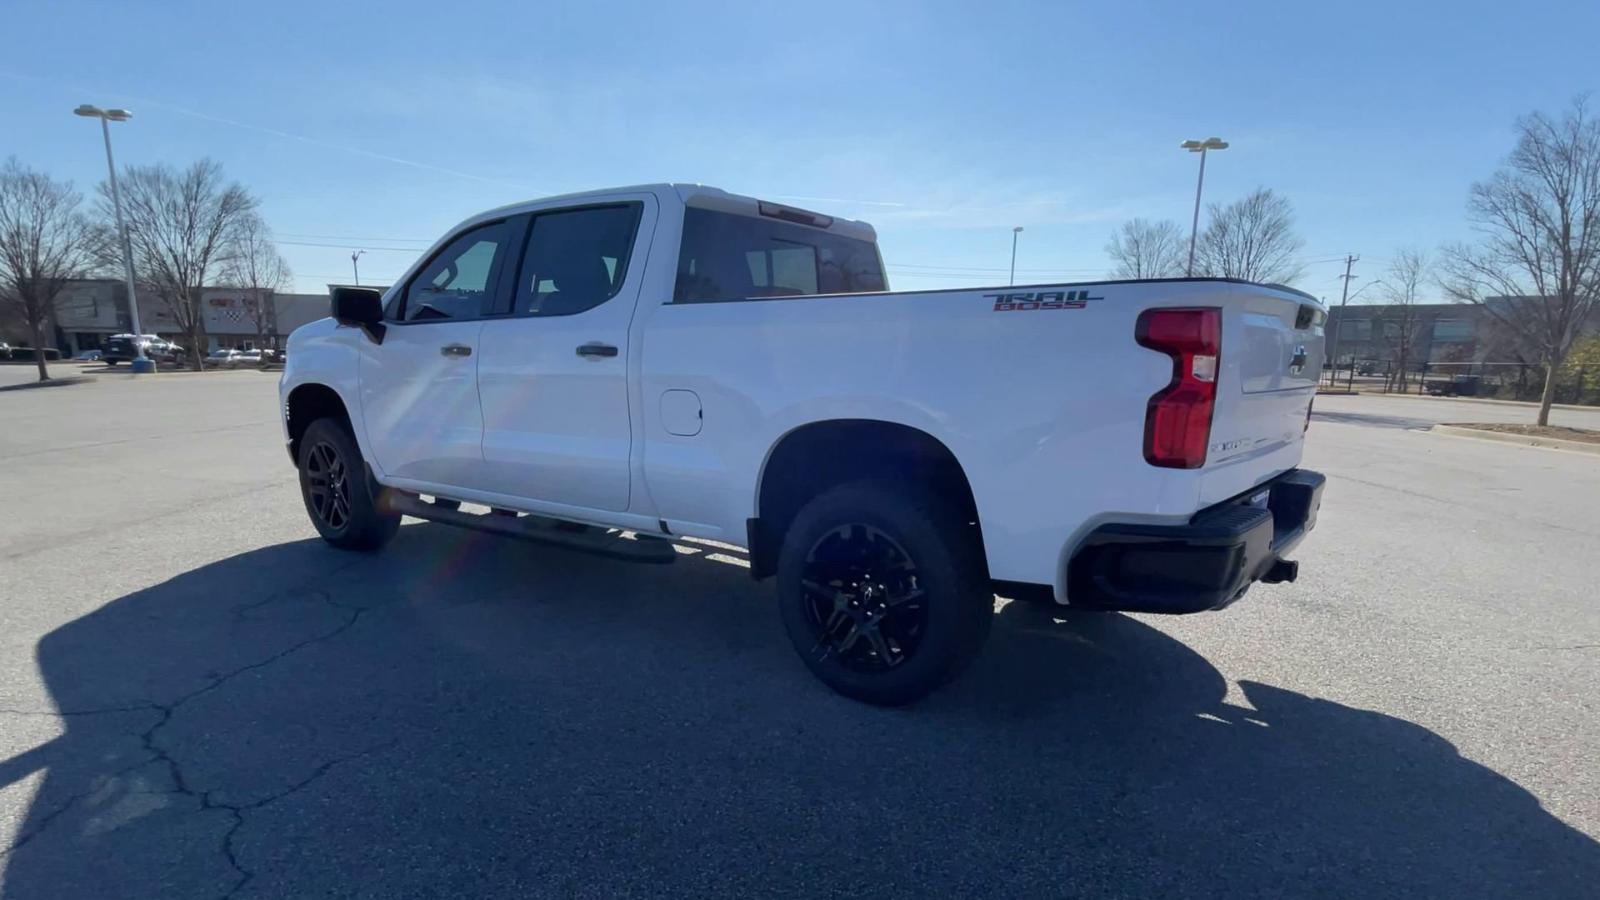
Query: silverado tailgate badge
x: 1027, y: 300
x: 1297, y: 362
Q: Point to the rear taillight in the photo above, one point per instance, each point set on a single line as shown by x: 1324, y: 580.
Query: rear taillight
x: 1177, y: 423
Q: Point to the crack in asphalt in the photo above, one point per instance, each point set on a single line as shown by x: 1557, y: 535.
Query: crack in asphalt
x: 71, y: 801
x: 55, y: 542
x: 91, y: 445
x: 159, y: 754
x: 1446, y: 501
x: 237, y: 810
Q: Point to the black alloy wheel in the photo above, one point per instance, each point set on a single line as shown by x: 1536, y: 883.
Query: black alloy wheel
x: 864, y: 600
x: 344, y: 502
x: 328, y: 486
x: 883, y: 590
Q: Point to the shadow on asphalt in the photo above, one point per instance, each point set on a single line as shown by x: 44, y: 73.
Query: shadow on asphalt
x: 55, y: 381
x: 1347, y: 418
x: 468, y: 716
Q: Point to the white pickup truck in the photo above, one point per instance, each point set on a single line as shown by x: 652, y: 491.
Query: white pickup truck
x: 618, y: 370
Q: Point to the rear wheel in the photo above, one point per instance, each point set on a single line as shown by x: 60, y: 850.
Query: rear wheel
x: 341, y: 498
x: 883, y: 592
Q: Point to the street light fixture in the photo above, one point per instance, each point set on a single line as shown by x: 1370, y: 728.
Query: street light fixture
x: 1200, y: 147
x: 1014, y: 232
x: 355, y: 266
x: 140, y: 363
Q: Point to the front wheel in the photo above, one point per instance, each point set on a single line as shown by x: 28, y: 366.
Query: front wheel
x: 883, y: 592
x: 342, y: 500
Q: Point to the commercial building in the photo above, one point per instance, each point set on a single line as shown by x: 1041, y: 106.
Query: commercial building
x: 90, y: 310
x: 1457, y: 334
x: 1430, y: 333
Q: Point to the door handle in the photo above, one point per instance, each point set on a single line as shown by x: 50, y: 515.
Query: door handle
x: 455, y: 350
x: 596, y: 350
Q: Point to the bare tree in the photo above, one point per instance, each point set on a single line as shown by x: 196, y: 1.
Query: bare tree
x: 182, y: 227
x: 1537, y: 266
x: 1253, y: 239
x: 1145, y: 249
x: 44, y: 243
x: 1410, y: 271
x: 260, y: 272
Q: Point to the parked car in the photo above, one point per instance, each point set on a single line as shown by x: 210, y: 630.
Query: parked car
x: 1455, y: 386
x: 247, y: 359
x: 222, y: 358
x: 5, y: 350
x: 673, y: 360
x: 121, y: 348
x: 88, y: 355
x: 168, y: 352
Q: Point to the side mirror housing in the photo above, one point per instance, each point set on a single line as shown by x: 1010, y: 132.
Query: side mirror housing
x: 361, y: 308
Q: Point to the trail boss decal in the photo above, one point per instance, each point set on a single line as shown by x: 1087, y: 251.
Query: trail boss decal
x: 1026, y: 300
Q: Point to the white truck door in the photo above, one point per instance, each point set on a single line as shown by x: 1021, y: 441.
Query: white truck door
x: 419, y: 389
x: 553, y: 375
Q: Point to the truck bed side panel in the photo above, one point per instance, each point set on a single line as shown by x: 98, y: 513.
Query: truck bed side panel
x: 1044, y: 408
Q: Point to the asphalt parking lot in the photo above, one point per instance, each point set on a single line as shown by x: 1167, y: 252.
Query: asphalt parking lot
x: 199, y: 699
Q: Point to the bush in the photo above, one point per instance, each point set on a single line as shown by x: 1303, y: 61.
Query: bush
x: 19, y: 354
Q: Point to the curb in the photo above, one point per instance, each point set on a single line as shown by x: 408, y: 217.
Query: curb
x: 1526, y: 440
x: 1526, y: 404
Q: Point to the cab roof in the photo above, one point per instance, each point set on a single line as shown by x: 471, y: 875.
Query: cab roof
x: 699, y: 196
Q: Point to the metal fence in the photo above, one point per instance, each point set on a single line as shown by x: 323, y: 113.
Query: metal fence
x: 1496, y: 381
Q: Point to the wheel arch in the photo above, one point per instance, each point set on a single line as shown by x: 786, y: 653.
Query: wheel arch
x: 815, y: 456
x: 307, y: 403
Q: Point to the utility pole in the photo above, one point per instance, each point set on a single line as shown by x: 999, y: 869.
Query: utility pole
x: 1350, y: 259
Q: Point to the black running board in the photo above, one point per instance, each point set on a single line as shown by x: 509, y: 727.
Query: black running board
x: 641, y: 548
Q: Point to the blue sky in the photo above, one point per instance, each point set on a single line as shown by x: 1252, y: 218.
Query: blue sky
x: 379, y: 125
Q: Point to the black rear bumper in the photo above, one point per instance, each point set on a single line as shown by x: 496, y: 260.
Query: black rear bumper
x: 1205, y: 564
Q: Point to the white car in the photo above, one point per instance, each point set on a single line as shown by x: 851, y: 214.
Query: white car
x: 673, y: 360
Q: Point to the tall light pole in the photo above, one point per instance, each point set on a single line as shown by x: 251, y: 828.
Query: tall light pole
x: 1200, y: 147
x: 1014, y: 232
x: 355, y: 266
x: 141, y: 363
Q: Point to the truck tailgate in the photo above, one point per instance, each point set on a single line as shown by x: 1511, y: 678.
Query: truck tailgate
x: 1271, y: 358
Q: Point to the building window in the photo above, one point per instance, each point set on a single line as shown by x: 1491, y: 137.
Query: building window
x: 1355, y: 330
x: 1453, y: 330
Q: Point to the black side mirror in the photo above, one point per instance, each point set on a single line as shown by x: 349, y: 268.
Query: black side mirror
x: 360, y: 307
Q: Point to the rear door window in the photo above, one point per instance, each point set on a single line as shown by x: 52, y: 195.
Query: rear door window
x: 576, y: 259
x: 730, y: 257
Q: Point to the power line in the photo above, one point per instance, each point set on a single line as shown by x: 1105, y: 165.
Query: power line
x: 347, y: 246
x: 340, y: 277
x: 353, y: 237
x: 900, y: 265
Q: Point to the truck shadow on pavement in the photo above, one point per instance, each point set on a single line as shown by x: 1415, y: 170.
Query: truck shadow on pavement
x: 466, y: 716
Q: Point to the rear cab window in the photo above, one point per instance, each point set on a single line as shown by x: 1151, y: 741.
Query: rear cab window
x: 726, y: 256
